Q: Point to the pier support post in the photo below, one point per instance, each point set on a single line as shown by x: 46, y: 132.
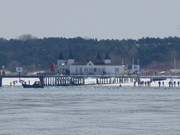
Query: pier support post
x: 41, y: 78
x: 0, y: 81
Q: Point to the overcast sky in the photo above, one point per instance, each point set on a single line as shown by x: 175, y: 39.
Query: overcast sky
x: 90, y: 18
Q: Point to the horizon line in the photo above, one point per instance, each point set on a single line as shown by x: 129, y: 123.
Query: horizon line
x: 30, y: 37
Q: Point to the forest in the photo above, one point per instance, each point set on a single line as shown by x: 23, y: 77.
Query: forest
x: 35, y: 53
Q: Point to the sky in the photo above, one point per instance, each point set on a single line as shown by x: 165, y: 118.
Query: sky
x: 102, y: 19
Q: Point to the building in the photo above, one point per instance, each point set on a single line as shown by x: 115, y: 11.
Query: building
x: 104, y: 67
x: 135, y: 68
x: 91, y: 69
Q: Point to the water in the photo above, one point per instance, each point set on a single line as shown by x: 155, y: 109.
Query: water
x: 89, y: 111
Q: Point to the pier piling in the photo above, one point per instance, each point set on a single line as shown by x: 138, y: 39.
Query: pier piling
x: 0, y: 81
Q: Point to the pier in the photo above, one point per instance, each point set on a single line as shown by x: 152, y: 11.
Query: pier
x: 49, y: 80
x: 115, y: 79
x: 72, y: 80
x: 18, y: 77
x: 0, y: 81
x: 55, y: 80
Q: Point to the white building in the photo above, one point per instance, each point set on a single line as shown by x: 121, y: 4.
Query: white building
x: 70, y: 67
x: 135, y: 68
x: 91, y: 69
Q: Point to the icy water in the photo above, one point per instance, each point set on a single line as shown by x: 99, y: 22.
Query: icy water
x: 89, y: 111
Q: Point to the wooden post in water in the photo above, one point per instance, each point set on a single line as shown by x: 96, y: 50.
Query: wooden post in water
x: 0, y: 81
x: 46, y: 82
x: 83, y: 81
x: 56, y: 80
x: 53, y: 81
x: 41, y: 78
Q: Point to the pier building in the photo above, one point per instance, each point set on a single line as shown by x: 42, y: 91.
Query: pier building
x: 104, y: 67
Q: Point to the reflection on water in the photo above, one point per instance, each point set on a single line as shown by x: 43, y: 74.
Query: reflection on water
x: 89, y: 111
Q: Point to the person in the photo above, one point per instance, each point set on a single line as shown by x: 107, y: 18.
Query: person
x: 163, y: 84
x: 134, y: 83
x: 174, y: 84
x: 170, y: 83
x: 159, y: 84
x: 178, y: 83
x: 14, y: 83
x: 3, y: 73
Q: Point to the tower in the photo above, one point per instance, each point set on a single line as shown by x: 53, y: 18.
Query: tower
x: 70, y: 60
x: 61, y: 61
x: 61, y: 64
x: 107, y: 59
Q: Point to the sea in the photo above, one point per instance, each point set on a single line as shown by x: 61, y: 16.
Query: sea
x: 89, y: 110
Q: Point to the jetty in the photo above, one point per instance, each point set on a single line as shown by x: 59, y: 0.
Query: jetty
x: 70, y: 80
x: 48, y: 80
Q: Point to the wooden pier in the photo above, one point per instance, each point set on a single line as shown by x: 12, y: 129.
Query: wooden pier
x: 73, y: 80
x: 114, y: 79
x: 20, y: 77
x: 63, y: 80
x: 0, y: 81
x: 78, y: 80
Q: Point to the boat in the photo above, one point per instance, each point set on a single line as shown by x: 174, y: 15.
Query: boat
x: 158, y: 79
x: 37, y: 84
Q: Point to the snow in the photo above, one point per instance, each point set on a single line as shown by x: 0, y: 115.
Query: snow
x: 17, y: 81
x: 92, y: 81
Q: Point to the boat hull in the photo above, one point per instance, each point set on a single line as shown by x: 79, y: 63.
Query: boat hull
x: 32, y: 86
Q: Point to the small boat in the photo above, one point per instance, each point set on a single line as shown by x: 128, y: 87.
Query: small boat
x: 36, y: 84
x: 158, y: 79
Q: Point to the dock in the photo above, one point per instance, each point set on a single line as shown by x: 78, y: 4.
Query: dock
x: 71, y: 80
x: 50, y: 80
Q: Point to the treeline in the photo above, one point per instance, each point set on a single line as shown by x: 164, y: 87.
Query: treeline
x: 33, y: 53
